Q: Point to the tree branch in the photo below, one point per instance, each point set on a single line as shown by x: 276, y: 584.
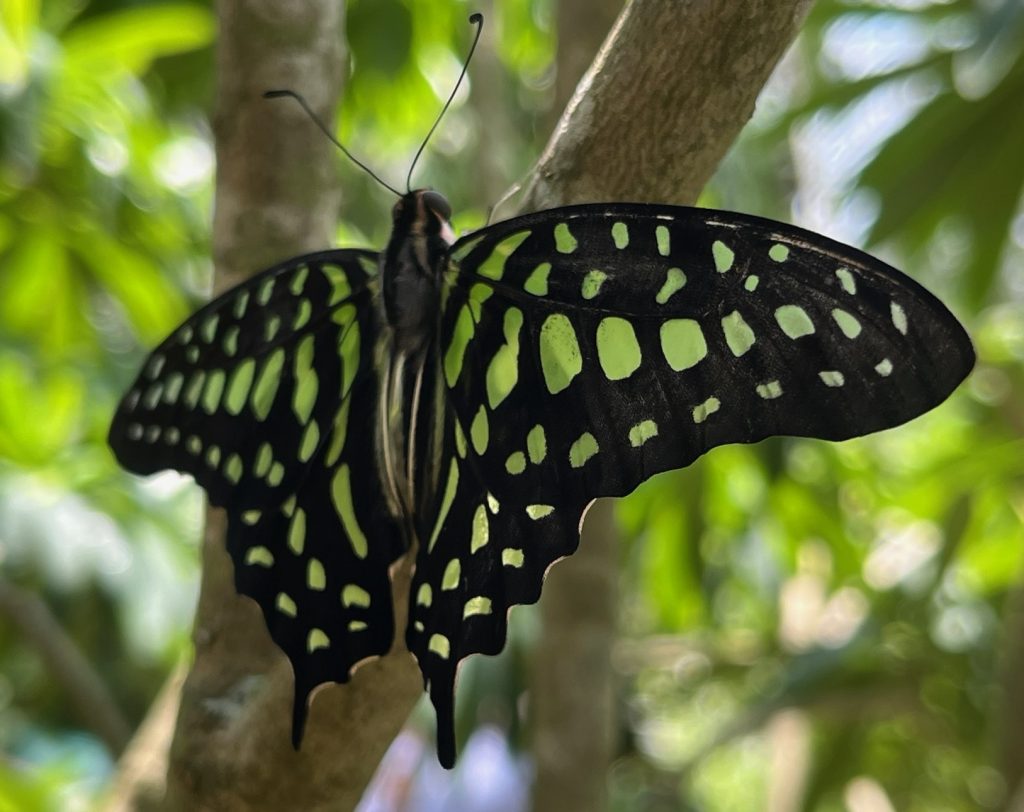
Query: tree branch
x: 89, y: 696
x: 670, y: 90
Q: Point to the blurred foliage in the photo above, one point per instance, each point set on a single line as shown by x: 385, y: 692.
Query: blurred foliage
x: 831, y: 616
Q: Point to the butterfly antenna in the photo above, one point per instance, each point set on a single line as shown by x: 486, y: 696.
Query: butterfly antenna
x: 476, y: 19
x: 278, y: 94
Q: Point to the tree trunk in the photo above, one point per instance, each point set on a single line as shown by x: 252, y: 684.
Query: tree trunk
x: 671, y: 88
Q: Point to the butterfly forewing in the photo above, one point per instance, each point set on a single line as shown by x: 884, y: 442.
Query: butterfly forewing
x: 241, y: 394
x: 588, y: 348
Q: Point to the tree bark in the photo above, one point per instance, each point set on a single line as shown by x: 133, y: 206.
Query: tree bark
x: 673, y: 85
x: 671, y: 88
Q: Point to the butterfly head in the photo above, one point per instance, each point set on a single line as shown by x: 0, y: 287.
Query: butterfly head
x: 423, y: 213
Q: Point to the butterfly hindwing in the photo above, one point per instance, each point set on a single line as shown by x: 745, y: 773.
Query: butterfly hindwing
x: 585, y: 349
x: 317, y: 564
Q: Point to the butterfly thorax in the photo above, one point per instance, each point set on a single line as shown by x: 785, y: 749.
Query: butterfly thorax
x: 411, y: 267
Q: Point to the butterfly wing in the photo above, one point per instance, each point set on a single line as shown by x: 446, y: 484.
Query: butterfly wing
x: 587, y: 348
x: 267, y: 396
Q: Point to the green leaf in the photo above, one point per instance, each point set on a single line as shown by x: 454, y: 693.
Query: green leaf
x: 131, y: 39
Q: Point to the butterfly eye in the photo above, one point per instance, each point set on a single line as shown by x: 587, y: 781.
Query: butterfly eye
x: 437, y: 203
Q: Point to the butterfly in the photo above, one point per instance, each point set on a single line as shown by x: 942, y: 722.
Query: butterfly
x: 464, y: 400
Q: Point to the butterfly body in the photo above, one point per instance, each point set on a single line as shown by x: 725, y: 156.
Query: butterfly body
x: 467, y: 399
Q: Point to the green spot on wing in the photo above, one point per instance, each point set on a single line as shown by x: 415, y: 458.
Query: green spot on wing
x: 478, y: 605
x: 276, y: 475
x: 316, y: 578
x: 208, y: 329
x: 213, y: 390
x: 493, y: 267
x: 661, y: 234
x: 452, y: 573
x: 582, y: 450
x: 305, y: 310
x: 738, y: 334
x: 794, y: 321
x: 239, y: 386
x: 285, y: 605
x: 481, y: 530
x: 338, y: 434
x: 260, y: 556
x: 230, y: 343
x: 317, y: 639
x: 620, y: 234
x: 266, y: 384
x: 339, y: 284
x: 846, y: 279
x: 642, y: 432
x: 455, y: 354
x: 440, y: 645
x: 723, y: 256
x: 512, y: 557
x: 479, y: 431
x: 560, y: 357
x: 537, y: 282
x: 617, y: 348
x: 349, y: 350
x: 592, y: 282
x: 675, y: 279
x: 537, y: 444
x: 233, y: 468
x: 298, y: 281
x: 516, y: 463
x: 355, y: 595
x: 307, y: 381
x: 706, y: 409
x: 847, y: 323
x: 310, y: 441
x: 297, y: 532
x: 899, y: 317
x: 341, y: 495
x: 683, y: 343
x: 503, y: 371
x: 266, y: 290
x: 565, y: 242
x: 779, y: 252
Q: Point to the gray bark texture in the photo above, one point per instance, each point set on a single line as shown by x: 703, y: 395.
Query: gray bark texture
x: 671, y: 88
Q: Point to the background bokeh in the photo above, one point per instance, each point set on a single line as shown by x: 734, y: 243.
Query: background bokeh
x: 803, y: 626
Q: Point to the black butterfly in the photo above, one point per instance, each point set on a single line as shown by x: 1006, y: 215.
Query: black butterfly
x: 466, y: 400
